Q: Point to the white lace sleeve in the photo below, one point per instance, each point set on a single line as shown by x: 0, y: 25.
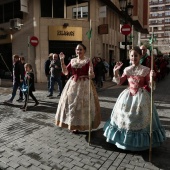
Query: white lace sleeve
x: 116, y: 79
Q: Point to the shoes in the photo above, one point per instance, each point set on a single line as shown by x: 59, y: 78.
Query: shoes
x: 58, y: 95
x: 8, y: 101
x: 50, y: 95
x: 75, y: 131
x: 36, y: 104
x: 23, y: 107
x: 20, y: 100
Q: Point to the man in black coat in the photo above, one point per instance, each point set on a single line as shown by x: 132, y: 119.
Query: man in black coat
x: 18, y: 77
x: 47, y: 69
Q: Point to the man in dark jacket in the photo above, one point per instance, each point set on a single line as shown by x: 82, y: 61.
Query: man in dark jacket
x: 55, y: 75
x: 18, y: 77
x: 47, y: 70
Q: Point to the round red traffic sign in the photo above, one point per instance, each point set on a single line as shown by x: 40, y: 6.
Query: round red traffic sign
x: 126, y: 29
x: 34, y: 41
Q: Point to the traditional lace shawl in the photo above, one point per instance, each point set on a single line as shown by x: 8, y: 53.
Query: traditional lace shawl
x: 76, y: 63
x: 139, y: 70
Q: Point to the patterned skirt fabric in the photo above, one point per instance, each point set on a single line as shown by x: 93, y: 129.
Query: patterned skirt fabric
x: 73, y: 107
x: 129, y: 124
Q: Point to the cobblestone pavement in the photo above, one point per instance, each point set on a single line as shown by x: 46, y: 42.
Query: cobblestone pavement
x: 30, y: 140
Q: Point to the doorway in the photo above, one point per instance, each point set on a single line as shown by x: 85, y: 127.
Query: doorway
x: 5, y: 61
x: 67, y: 47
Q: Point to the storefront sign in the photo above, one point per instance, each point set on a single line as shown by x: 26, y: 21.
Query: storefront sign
x: 65, y: 33
x: 103, y: 29
x: 103, y: 12
x: 24, y: 5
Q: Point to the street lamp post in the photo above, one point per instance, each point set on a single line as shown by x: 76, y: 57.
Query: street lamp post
x: 126, y: 8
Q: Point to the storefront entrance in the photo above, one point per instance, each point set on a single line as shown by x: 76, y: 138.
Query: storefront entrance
x: 5, y: 61
x: 67, y: 47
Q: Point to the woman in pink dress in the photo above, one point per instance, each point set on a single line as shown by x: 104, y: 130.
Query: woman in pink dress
x: 74, y: 104
x: 129, y: 124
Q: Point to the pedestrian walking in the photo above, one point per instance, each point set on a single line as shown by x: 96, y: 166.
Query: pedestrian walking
x: 18, y: 78
x: 47, y: 69
x: 22, y: 70
x: 55, y: 75
x: 29, y: 86
x: 129, y: 124
x: 100, y: 70
x: 74, y: 104
x: 106, y: 69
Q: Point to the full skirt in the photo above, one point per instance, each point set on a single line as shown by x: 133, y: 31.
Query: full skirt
x: 129, y: 124
x: 75, y: 106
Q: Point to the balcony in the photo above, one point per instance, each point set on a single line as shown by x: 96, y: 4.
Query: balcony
x: 155, y: 3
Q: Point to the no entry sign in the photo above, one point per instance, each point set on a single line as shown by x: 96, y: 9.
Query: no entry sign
x: 126, y: 29
x: 34, y: 41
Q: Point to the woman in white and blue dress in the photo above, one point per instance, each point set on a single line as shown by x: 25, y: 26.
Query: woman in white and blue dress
x: 129, y: 124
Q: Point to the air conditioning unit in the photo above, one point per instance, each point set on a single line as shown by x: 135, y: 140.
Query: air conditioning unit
x: 15, y: 23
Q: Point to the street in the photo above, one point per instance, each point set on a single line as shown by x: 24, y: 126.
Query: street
x: 30, y: 140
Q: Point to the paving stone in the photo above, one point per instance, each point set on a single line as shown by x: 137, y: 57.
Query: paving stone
x: 10, y: 168
x: 34, y: 162
x: 77, y: 168
x: 140, y: 168
x: 13, y: 164
x: 89, y: 167
x: 24, y: 163
x: 3, y: 165
x: 117, y: 162
x: 34, y: 168
x: 67, y: 165
x: 127, y: 165
x: 22, y: 168
x: 112, y: 168
x: 44, y: 167
x: 79, y: 164
x: 107, y: 164
x: 4, y: 160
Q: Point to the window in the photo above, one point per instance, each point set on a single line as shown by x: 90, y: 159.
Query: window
x: 81, y: 12
x: 52, y: 8
x: 167, y: 28
x: 77, y: 9
x: 160, y: 14
x: 167, y: 13
x: 64, y: 9
x: 154, y: 15
x: 159, y: 21
x: 167, y: 20
x: 9, y: 11
x: 159, y: 28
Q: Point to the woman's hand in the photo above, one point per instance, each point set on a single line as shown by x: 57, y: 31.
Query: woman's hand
x: 152, y: 74
x: 117, y: 66
x: 62, y: 56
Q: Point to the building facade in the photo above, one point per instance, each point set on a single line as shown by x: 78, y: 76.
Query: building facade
x: 34, y: 29
x: 159, y: 24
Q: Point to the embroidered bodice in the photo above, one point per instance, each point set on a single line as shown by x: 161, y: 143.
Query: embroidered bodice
x: 79, y: 68
x: 137, y: 76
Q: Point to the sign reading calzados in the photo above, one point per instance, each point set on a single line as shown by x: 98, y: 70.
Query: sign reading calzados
x: 66, y: 34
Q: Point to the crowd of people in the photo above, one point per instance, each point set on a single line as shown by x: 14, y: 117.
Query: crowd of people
x: 79, y: 109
